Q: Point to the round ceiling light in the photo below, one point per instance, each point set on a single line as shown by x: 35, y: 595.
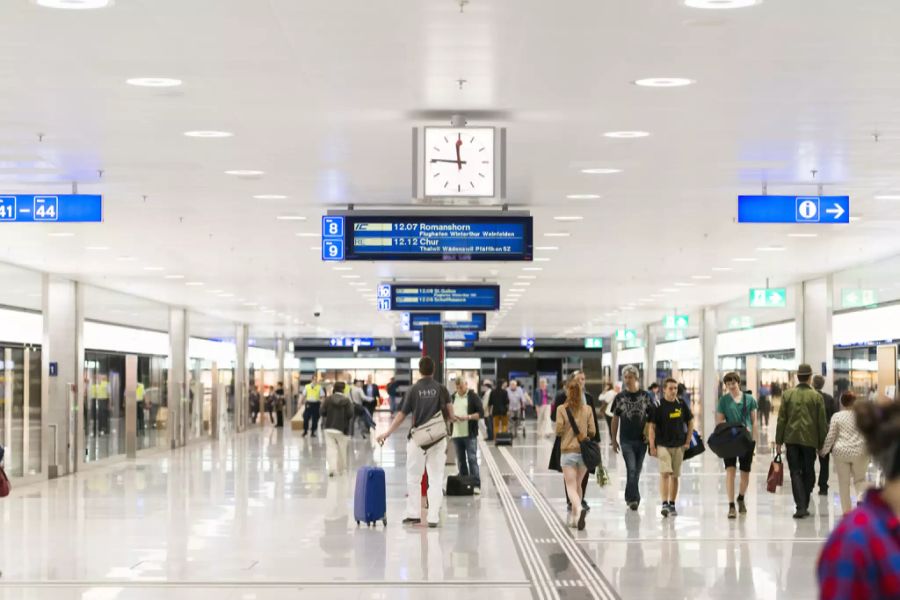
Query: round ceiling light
x: 270, y: 197
x: 720, y: 4
x: 245, y: 173
x: 156, y: 82
x: 601, y: 171
x: 208, y: 134
x: 626, y: 135
x: 75, y: 4
x: 664, y: 82
x: 583, y: 196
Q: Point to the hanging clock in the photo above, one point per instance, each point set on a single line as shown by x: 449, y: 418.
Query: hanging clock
x: 459, y: 162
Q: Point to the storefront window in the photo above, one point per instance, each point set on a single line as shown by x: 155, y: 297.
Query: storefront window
x: 20, y: 409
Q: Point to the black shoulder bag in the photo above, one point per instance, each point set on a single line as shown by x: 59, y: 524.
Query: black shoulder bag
x: 590, y: 450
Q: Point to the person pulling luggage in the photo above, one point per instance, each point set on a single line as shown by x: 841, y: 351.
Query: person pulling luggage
x: 468, y: 410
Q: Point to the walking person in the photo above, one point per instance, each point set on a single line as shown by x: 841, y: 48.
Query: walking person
x: 606, y: 400
x: 653, y: 389
x: 468, y: 410
x: 671, y: 428
x: 830, y: 410
x: 846, y: 443
x: 631, y: 411
x: 579, y: 378
x: 337, y: 416
x: 312, y: 405
x: 543, y: 403
x: 516, y: 396
x: 372, y: 395
x: 393, y: 391
x: 498, y: 404
x: 278, y: 404
x: 736, y: 407
x: 485, y: 401
x: 575, y: 422
x: 861, y: 557
x: 254, y: 404
x: 270, y: 404
x: 429, y: 404
x: 802, y: 426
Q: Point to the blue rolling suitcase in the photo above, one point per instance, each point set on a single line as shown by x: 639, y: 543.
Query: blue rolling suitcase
x: 370, y: 497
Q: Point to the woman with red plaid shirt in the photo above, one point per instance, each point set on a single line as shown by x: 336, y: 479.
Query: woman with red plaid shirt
x: 861, y: 560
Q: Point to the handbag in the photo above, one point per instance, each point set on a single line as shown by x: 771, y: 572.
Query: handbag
x: 430, y: 432
x: 590, y: 450
x: 555, y: 464
x: 696, y: 448
x: 776, y: 475
x: 4, y: 484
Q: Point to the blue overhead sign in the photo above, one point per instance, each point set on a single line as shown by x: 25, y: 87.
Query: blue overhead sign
x: 435, y: 297
x: 370, y: 235
x: 461, y: 336
x: 51, y: 208
x: 413, y: 321
x: 351, y: 342
x: 794, y: 209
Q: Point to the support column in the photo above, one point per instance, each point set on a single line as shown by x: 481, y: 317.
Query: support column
x: 63, y: 346
x: 178, y: 366
x: 709, y: 370
x: 814, y: 307
x: 242, y: 378
x: 649, y: 356
x: 279, y: 356
x: 614, y: 358
x: 433, y: 346
x: 131, y: 362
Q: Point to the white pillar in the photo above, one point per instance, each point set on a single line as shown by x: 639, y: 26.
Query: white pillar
x: 614, y: 359
x: 649, y: 356
x: 814, y: 307
x: 178, y: 367
x: 241, y: 379
x: 63, y: 346
x: 709, y: 370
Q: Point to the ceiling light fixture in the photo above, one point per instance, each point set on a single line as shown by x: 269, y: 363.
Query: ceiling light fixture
x: 245, y: 172
x: 527, y: 276
x: 663, y: 82
x: 601, y: 171
x: 97, y: 248
x: 155, y: 82
x: 154, y: 269
x: 583, y: 196
x: 722, y: 269
x: 568, y: 218
x: 208, y: 134
x: 290, y: 218
x: 174, y: 277
x: 546, y: 248
x: 744, y: 259
x: 541, y: 259
x: 668, y: 290
x: 350, y: 276
x: 720, y: 4
x: 194, y: 283
x: 532, y: 268
x: 887, y: 197
x: 126, y: 258
x: 701, y: 276
x: 557, y: 234
x: 683, y: 284
x: 343, y: 268
x: 771, y: 249
x: 626, y: 135
x: 803, y: 235
x: 307, y: 234
x: 270, y: 197
x: 61, y: 234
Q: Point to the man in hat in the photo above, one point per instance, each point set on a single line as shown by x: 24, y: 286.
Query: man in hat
x: 802, y: 426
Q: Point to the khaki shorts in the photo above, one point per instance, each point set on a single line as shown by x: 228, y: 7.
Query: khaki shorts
x: 670, y: 460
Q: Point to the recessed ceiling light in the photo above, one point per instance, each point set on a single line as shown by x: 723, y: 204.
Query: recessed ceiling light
x: 307, y: 234
x: 157, y: 82
x: 664, y: 82
x: 350, y: 276
x: 720, y: 4
x: 722, y: 269
x: 194, y: 283
x: 61, y: 234
x: 683, y: 284
x: 532, y: 268
x: 546, y: 248
x: 626, y: 135
x: 245, y: 172
x: 126, y: 258
x: 174, y: 277
x: 541, y: 259
x: 290, y: 218
x: 251, y: 304
x: 601, y: 171
x: 803, y: 235
x: 214, y: 291
x: 97, y: 248
x: 744, y: 259
x: 521, y: 283
x: 771, y: 249
x: 343, y: 268
x: 208, y: 134
x: 226, y: 295
x: 527, y: 276
x: 887, y: 197
x: 557, y: 234
x: 583, y: 196
x: 270, y: 197
x: 154, y: 269
x: 701, y: 276
x: 668, y: 290
x: 568, y: 218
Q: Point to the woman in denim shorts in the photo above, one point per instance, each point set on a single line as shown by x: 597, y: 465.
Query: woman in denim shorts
x: 573, y: 467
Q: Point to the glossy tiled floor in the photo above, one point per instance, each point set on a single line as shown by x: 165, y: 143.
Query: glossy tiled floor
x: 256, y: 517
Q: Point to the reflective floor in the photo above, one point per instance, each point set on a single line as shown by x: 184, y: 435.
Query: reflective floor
x: 256, y: 517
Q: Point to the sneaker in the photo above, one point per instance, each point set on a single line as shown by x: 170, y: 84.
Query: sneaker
x: 665, y: 509
x: 570, y: 520
x: 672, y: 511
x: 633, y: 505
x: 432, y: 525
x: 742, y: 506
x: 585, y: 507
x: 304, y: 434
x: 411, y: 521
x: 801, y: 513
x: 477, y: 491
x: 732, y: 513
x: 581, y: 519
x: 823, y: 491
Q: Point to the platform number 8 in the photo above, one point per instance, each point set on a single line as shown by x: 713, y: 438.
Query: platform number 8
x: 333, y: 228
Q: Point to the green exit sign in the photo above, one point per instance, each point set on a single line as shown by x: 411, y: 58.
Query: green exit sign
x: 675, y: 322
x: 740, y: 322
x: 626, y: 335
x: 853, y: 298
x: 593, y: 343
x: 768, y: 297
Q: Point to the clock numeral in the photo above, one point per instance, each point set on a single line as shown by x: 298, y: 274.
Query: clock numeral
x: 481, y: 175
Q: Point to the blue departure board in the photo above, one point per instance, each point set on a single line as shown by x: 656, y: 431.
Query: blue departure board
x: 427, y: 237
x: 460, y: 336
x: 434, y: 297
x: 51, y: 208
x: 478, y: 322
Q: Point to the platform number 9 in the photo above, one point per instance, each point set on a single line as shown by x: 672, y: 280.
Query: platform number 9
x: 332, y: 251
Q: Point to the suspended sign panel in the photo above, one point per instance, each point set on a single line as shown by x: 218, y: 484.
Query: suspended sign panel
x: 794, y: 209
x: 478, y: 322
x: 377, y: 236
x: 435, y: 297
x: 59, y: 208
x: 768, y: 297
x: 856, y: 298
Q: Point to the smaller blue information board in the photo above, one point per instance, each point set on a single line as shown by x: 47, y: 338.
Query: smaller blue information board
x: 478, y: 322
x: 794, y: 209
x: 461, y: 336
x: 51, y: 208
x: 435, y: 297
x: 351, y: 342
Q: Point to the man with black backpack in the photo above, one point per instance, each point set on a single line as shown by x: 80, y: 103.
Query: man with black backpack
x: 670, y: 432
x: 830, y: 408
x: 736, y: 407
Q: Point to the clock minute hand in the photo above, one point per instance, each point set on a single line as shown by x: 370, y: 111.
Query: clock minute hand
x: 448, y: 160
x: 459, y: 162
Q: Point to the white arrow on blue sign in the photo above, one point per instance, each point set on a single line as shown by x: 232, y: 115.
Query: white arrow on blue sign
x: 794, y: 209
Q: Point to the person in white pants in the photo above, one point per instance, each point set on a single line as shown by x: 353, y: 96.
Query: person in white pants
x: 337, y: 414
x: 544, y: 404
x: 424, y: 401
x: 846, y: 443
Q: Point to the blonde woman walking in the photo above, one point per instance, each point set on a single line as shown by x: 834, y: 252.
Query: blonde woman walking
x: 574, y: 423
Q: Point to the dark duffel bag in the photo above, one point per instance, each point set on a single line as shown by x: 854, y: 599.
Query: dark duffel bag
x: 730, y: 440
x: 696, y: 448
x: 461, y: 485
x: 503, y: 439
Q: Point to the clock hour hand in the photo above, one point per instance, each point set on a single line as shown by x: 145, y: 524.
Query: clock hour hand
x: 459, y: 162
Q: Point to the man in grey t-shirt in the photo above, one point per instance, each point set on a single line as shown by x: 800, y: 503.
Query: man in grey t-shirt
x: 423, y: 400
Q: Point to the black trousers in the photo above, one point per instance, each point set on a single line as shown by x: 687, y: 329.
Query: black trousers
x: 824, y: 463
x: 584, y: 483
x: 802, y: 463
x: 311, y: 417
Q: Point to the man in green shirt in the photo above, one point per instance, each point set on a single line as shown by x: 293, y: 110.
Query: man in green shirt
x: 802, y: 426
x: 738, y: 408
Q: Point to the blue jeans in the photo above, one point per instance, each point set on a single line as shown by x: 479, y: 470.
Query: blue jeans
x: 467, y: 457
x: 633, y: 453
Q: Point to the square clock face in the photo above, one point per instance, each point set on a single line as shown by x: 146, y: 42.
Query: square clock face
x: 459, y: 162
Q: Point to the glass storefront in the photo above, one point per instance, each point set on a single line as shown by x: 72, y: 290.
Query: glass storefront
x: 20, y: 409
